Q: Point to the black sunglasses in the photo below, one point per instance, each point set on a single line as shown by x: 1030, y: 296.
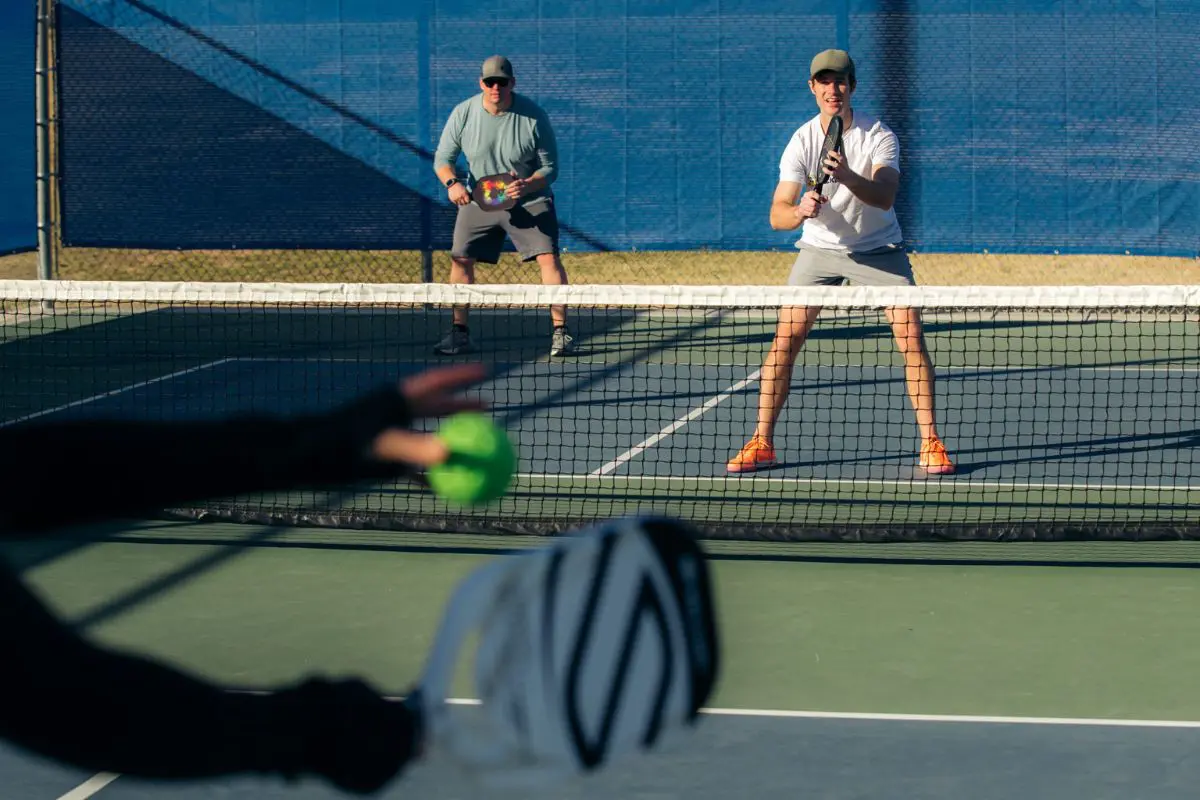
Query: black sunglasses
x: 490, y: 82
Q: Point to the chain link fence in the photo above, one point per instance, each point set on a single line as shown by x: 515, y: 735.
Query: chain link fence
x: 294, y: 144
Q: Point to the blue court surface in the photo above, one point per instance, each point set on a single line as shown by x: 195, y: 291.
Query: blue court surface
x: 775, y: 755
x: 1055, y: 444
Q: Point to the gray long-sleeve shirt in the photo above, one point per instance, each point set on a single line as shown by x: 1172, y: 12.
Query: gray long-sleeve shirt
x: 520, y: 139
x: 160, y: 722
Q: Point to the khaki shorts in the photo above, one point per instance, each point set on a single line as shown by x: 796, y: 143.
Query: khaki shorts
x: 883, y: 266
x: 533, y: 228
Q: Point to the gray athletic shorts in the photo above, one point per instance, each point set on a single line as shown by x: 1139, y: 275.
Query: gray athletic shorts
x: 883, y: 266
x: 479, y: 234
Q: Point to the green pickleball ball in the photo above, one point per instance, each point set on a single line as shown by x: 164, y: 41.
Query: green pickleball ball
x: 482, y: 460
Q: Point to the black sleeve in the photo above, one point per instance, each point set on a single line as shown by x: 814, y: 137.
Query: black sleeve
x: 65, y: 473
x: 96, y: 709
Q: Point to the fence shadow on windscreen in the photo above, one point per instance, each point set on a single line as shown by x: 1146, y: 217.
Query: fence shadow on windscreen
x: 196, y: 152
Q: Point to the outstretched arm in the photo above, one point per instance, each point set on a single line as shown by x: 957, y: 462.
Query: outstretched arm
x: 179, y: 462
x: 159, y: 722
x: 148, y: 720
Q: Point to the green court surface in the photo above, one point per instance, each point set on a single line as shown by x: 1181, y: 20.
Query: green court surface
x: 851, y: 670
x: 253, y: 607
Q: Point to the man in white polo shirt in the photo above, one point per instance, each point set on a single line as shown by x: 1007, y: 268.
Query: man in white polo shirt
x: 850, y: 234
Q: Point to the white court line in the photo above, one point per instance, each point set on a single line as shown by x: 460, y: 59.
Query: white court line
x: 932, y: 482
x: 113, y: 393
x: 968, y: 718
x: 1168, y: 368
x: 712, y: 402
x: 938, y: 368
x: 90, y: 787
x: 1050, y: 368
x: 778, y: 713
x: 93, y: 785
x: 982, y: 720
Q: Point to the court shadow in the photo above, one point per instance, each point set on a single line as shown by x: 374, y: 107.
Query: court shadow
x: 930, y: 543
x: 25, y: 554
x: 828, y: 330
x: 969, y: 460
x: 160, y: 124
x: 1163, y: 441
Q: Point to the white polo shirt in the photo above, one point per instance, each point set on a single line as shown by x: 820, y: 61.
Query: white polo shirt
x: 845, y: 222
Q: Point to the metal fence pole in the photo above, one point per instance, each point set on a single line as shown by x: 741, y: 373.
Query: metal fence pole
x: 46, y: 222
x: 425, y: 139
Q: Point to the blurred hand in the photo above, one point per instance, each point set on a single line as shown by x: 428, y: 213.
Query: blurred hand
x: 517, y: 187
x: 433, y: 393
x: 810, y: 205
x: 459, y: 195
x: 835, y: 167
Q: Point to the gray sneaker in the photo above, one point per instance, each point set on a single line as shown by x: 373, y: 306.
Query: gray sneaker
x: 561, y: 343
x: 455, y: 343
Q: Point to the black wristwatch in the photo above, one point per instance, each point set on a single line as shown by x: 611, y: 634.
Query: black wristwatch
x: 451, y: 182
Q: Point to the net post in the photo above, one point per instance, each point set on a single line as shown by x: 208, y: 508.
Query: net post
x: 45, y: 166
x: 425, y: 135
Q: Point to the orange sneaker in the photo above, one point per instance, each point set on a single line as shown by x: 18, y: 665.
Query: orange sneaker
x: 757, y: 454
x: 934, y: 459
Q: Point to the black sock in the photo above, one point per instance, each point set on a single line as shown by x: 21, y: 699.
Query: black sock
x: 462, y: 328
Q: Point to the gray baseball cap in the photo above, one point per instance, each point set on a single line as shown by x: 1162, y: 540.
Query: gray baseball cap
x: 834, y: 61
x: 496, y: 67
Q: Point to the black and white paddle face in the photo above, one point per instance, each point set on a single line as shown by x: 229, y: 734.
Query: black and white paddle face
x: 600, y: 646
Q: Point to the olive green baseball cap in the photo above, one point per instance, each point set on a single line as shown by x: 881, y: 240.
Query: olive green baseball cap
x: 834, y: 61
x: 496, y: 67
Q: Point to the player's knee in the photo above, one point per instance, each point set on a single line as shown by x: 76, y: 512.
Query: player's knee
x: 909, y: 338
x: 792, y: 333
x: 786, y: 347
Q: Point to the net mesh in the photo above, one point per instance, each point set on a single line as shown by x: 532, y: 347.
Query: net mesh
x: 1069, y: 412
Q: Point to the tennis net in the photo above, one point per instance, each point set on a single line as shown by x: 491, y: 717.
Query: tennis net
x: 1069, y: 412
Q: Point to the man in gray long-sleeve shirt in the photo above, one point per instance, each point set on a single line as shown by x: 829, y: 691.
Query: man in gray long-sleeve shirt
x: 500, y: 131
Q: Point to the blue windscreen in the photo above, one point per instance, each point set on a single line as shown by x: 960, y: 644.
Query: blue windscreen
x: 18, y: 190
x: 1025, y: 126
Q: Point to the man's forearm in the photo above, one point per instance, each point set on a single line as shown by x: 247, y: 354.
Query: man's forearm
x: 165, y: 463
x: 873, y: 193
x: 783, y: 216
